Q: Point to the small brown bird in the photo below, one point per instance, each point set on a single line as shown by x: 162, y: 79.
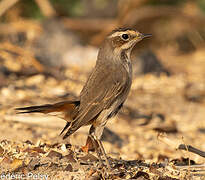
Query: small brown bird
x: 105, y: 90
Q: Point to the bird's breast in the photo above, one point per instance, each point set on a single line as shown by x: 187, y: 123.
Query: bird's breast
x: 126, y: 62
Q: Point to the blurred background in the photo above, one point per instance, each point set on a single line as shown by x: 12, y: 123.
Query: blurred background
x: 62, y: 33
x: 48, y: 48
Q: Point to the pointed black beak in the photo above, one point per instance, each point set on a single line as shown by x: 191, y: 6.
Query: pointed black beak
x: 146, y: 35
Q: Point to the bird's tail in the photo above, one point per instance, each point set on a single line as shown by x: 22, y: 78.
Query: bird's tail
x: 67, y: 108
x: 64, y: 106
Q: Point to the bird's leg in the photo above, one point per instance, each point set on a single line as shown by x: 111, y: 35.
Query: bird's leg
x: 89, y: 146
x: 98, y: 144
x: 95, y: 144
x: 103, y: 152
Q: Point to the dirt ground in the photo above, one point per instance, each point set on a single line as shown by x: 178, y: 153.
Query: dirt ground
x: 142, y: 142
x: 160, y: 132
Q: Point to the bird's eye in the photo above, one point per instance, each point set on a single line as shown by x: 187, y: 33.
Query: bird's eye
x: 125, y: 36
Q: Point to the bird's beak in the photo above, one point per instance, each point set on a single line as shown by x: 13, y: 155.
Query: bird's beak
x: 145, y: 35
x: 140, y: 36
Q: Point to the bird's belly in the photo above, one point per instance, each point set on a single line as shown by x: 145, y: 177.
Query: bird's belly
x: 104, y: 115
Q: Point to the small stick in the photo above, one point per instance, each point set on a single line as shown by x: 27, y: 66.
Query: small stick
x: 195, y: 166
x: 46, y: 8
x: 192, y: 149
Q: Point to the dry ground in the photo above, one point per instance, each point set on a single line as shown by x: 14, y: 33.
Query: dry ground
x: 142, y: 142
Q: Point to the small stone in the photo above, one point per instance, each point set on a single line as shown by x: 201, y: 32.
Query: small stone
x: 63, y: 148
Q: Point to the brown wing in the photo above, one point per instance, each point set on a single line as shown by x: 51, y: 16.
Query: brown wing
x: 100, y: 91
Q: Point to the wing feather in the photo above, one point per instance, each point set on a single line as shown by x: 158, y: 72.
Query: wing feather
x: 100, y: 91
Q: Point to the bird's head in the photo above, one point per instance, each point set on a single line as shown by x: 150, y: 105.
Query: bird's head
x: 125, y: 39
x: 119, y: 41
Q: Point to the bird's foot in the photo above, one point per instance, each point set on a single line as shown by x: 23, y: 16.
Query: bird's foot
x: 104, y: 154
x: 100, y: 151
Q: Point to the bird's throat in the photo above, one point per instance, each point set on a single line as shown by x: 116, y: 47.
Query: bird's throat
x: 125, y: 58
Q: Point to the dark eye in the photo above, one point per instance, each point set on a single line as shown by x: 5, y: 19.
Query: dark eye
x: 125, y: 36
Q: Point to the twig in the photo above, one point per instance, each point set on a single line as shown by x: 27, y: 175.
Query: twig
x: 194, y: 166
x: 192, y: 149
x: 5, y: 5
x: 26, y: 54
x: 46, y: 8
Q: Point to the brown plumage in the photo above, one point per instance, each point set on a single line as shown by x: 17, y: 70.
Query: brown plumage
x: 105, y: 90
x: 67, y: 106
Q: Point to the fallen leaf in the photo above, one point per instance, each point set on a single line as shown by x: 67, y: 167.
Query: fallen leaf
x: 70, y: 157
x: 16, y: 163
x: 34, y: 149
x: 69, y: 168
x: 1, y: 151
x: 89, y: 157
x: 53, y: 153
